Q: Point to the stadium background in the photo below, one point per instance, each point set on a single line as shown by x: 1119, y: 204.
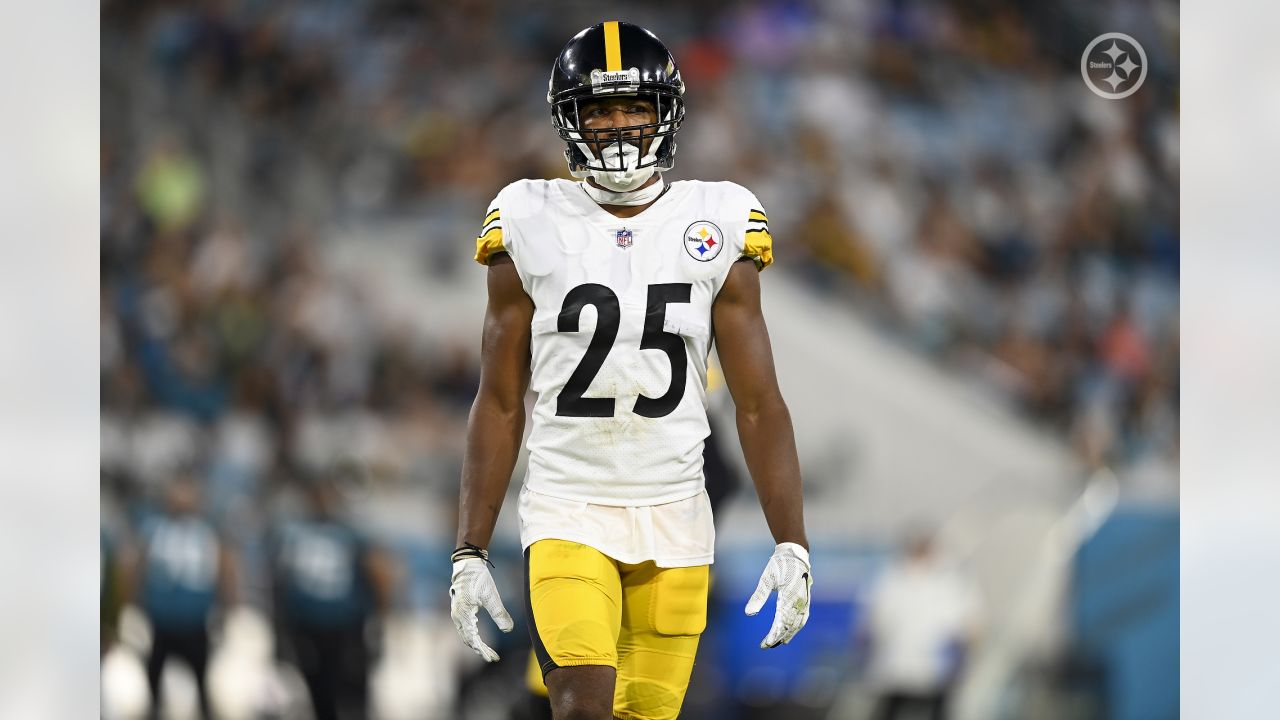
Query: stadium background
x: 974, y: 311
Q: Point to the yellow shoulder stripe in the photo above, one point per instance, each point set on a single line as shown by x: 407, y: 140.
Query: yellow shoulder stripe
x: 759, y: 247
x: 488, y: 244
x: 489, y: 218
x: 757, y: 216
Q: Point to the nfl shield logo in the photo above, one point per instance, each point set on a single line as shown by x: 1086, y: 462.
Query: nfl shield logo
x: 623, y: 238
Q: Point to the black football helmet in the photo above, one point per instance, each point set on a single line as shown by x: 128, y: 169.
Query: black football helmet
x: 616, y: 58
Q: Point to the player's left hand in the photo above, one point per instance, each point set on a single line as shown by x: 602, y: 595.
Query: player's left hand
x: 788, y: 573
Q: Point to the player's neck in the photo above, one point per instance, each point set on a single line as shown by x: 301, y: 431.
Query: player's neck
x: 627, y: 211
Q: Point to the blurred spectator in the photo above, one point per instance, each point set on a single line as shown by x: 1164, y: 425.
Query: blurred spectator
x: 182, y: 574
x: 923, y: 618
x: 331, y: 581
x: 170, y: 186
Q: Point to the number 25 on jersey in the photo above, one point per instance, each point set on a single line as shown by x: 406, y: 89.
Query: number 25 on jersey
x: 570, y: 402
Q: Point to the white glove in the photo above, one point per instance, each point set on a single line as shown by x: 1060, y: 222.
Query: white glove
x: 788, y: 573
x: 473, y: 588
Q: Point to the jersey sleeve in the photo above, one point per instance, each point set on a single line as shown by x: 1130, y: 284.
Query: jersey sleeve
x: 757, y: 243
x: 489, y: 242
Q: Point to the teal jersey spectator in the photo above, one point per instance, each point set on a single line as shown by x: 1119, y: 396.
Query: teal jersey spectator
x: 180, y: 583
x: 321, y: 574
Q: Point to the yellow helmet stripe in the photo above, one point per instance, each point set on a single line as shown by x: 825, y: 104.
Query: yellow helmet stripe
x: 612, y: 47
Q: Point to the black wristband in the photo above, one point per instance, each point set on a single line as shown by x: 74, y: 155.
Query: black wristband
x: 471, y: 551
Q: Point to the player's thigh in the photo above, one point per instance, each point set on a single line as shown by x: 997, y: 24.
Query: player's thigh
x: 573, y: 598
x: 664, y: 614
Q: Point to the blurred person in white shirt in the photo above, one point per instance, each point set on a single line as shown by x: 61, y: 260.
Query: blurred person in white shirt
x: 923, y: 615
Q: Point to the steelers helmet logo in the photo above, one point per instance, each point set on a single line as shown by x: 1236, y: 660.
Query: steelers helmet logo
x: 703, y: 241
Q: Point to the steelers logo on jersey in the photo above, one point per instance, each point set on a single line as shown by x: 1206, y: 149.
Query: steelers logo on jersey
x: 703, y: 241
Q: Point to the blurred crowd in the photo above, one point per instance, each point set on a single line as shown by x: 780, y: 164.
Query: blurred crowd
x: 939, y: 168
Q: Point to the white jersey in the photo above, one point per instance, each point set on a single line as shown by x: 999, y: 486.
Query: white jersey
x: 674, y: 534
x: 621, y: 330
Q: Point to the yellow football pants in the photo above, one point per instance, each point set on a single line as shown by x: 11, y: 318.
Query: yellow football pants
x: 586, y: 608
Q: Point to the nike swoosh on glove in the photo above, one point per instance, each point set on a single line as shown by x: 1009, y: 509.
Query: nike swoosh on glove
x: 473, y: 588
x: 788, y: 573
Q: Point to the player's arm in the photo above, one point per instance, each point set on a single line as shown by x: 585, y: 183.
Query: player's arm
x: 764, y: 423
x: 495, y: 426
x: 383, y: 575
x: 228, y: 588
x: 769, y: 445
x: 494, y: 430
x: 133, y: 570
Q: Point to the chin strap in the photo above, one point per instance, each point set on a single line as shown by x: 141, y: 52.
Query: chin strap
x: 643, y: 196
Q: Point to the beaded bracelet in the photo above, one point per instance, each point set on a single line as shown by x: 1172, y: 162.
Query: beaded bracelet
x: 471, y: 551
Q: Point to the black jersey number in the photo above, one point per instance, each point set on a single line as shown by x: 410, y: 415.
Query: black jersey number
x: 570, y: 402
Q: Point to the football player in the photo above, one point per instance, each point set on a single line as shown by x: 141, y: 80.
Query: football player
x: 182, y: 573
x: 604, y: 298
x: 330, y: 581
